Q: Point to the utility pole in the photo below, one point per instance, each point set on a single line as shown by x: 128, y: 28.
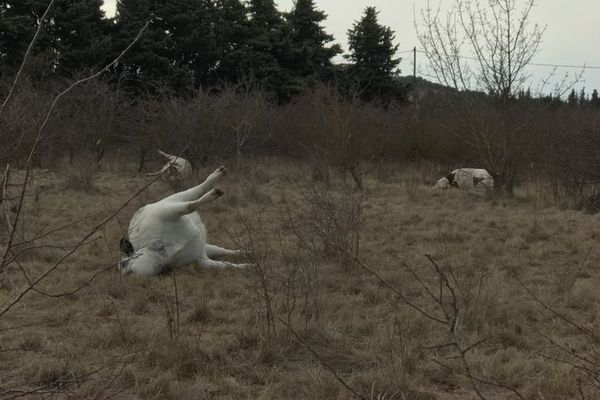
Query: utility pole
x: 415, y: 93
x: 415, y: 63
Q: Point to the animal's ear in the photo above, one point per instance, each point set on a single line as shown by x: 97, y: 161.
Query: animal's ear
x: 451, y: 180
x: 126, y: 247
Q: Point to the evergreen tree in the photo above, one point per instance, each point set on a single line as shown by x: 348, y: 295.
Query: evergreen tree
x: 232, y: 29
x: 81, y: 35
x: 595, y: 101
x: 178, y: 50
x: 309, y: 57
x: 191, y: 41
x: 582, y: 98
x: 372, y: 53
x: 265, y: 15
x: 74, y: 37
x: 268, y: 46
x: 18, y: 23
x: 146, y: 64
x: 572, y: 99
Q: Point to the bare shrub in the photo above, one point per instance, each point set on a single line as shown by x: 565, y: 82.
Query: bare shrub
x: 20, y: 120
x: 284, y: 283
x: 242, y: 117
x: 452, y: 304
x: 207, y: 125
x: 328, y: 222
x: 89, y: 115
x: 585, y: 362
x: 86, y: 118
x: 571, y: 164
x: 333, y: 131
x: 495, y: 129
x: 80, y: 175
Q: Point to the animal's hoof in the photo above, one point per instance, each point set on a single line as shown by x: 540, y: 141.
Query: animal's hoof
x: 217, y: 173
x: 218, y: 192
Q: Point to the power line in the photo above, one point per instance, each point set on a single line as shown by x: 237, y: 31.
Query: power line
x: 534, y: 64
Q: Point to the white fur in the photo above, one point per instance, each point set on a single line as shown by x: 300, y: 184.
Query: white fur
x: 176, y: 170
x: 170, y: 232
x: 467, y: 178
x: 442, y: 183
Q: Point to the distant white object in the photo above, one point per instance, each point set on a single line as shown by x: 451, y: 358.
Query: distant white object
x: 467, y: 178
x: 170, y: 232
x: 176, y: 170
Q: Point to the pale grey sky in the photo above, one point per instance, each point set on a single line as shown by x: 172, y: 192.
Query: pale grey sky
x: 572, y: 36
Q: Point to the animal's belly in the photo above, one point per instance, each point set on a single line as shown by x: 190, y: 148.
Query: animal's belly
x: 190, y: 253
x: 195, y: 247
x: 188, y: 235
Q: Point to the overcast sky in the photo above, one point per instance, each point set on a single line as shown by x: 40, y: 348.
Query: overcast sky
x: 572, y: 36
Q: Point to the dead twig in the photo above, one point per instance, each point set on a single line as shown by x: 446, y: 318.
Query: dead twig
x: 480, y: 380
x: 93, y: 231
x: 370, y: 270
x: 569, y: 321
x: 322, y: 361
x: 39, y: 136
x: 176, y: 299
x: 41, y: 23
x: 4, y: 200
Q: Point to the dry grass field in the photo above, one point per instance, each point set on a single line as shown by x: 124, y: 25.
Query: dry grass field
x: 310, y: 309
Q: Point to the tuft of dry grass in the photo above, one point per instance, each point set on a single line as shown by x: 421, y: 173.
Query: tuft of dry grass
x: 122, y: 335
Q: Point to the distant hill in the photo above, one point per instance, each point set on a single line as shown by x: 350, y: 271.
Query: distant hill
x: 422, y: 83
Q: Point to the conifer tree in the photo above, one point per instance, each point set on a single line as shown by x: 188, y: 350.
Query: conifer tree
x: 582, y: 98
x: 81, y: 35
x: 267, y: 43
x: 572, y: 99
x: 18, y: 23
x: 146, y: 64
x: 310, y: 56
x: 372, y: 53
x: 595, y: 100
x: 75, y: 37
x: 191, y: 41
x: 232, y: 30
x: 179, y: 49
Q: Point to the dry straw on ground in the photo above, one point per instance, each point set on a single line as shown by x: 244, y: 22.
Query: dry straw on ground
x: 236, y: 334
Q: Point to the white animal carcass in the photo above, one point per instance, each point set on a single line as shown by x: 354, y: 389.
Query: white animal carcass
x: 176, y: 171
x: 467, y: 178
x: 171, y: 233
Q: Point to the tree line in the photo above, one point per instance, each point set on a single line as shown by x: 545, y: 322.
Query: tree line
x: 195, y: 44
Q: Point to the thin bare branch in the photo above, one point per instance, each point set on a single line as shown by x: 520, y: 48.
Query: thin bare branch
x: 322, y: 361
x: 41, y: 23
x: 569, y: 321
x: 480, y: 380
x: 40, y: 135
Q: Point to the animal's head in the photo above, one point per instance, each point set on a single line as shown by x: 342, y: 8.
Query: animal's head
x: 451, y: 180
x: 173, y: 172
x: 442, y: 184
x: 127, y: 251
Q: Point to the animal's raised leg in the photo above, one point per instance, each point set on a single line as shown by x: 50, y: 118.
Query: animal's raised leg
x: 216, y: 251
x: 197, y: 191
x: 175, y: 209
x: 167, y: 156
